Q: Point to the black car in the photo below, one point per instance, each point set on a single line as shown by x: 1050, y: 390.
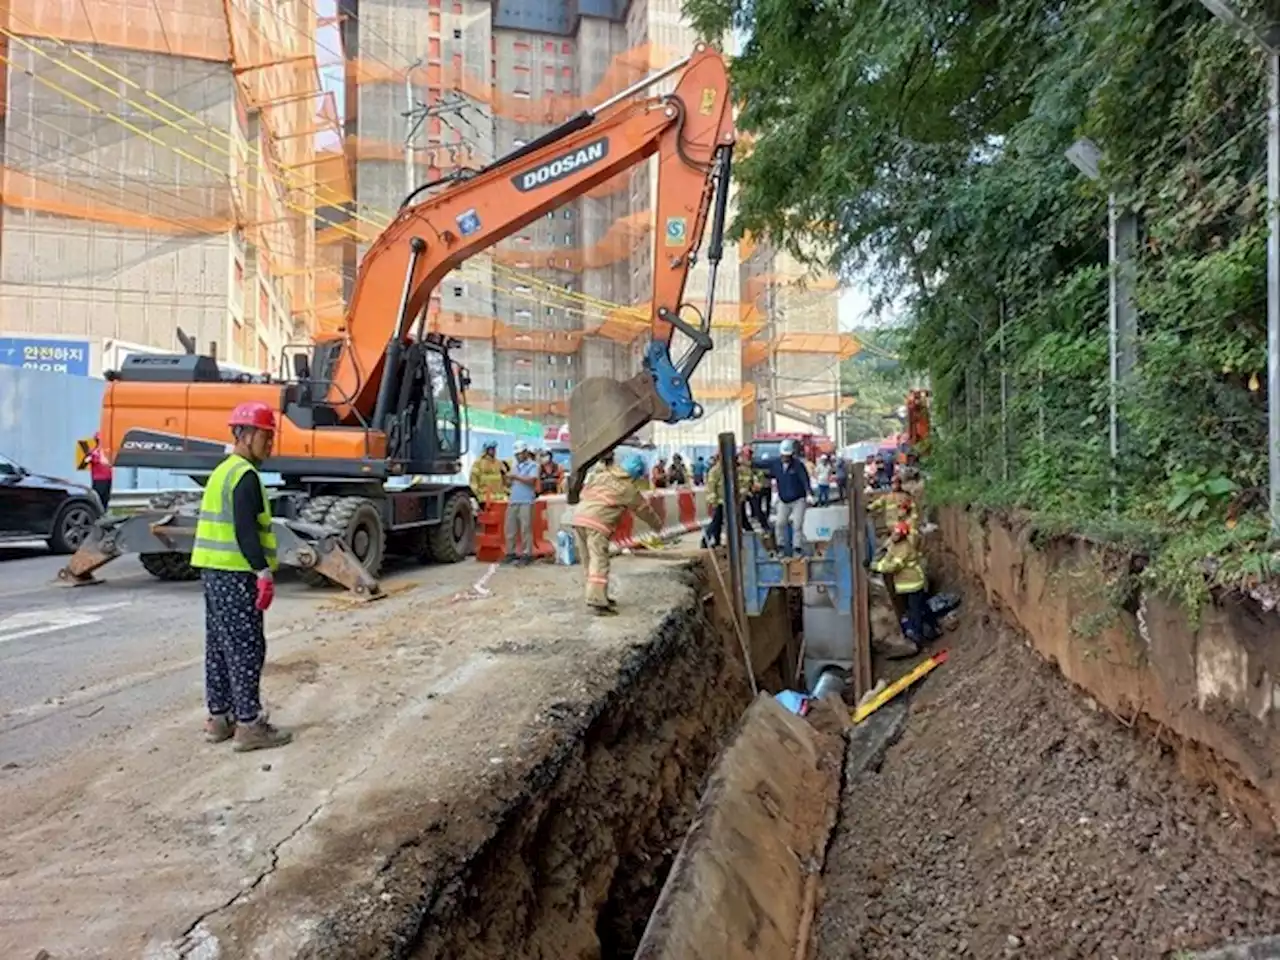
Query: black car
x: 34, y: 507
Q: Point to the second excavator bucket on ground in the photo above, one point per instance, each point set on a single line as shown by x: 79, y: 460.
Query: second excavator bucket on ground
x: 603, y: 413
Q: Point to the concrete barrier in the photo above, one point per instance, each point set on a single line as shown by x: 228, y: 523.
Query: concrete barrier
x: 744, y: 884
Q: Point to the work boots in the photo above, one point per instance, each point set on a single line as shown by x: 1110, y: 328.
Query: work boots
x: 219, y: 728
x: 259, y: 735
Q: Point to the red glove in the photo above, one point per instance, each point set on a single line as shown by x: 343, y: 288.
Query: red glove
x: 266, y: 590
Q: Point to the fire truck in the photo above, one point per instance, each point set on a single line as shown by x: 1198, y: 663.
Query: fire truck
x: 765, y: 447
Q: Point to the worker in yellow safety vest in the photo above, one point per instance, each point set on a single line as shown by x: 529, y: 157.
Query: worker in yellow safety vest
x: 235, y: 552
x: 605, y: 500
x: 488, y: 474
x: 904, y: 562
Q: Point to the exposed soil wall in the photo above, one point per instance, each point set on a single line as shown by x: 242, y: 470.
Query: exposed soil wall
x: 1211, y: 691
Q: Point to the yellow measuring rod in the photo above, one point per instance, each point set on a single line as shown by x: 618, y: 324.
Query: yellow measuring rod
x: 895, y: 688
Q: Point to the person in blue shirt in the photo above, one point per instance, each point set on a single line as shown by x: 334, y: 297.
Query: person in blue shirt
x: 524, y: 491
x: 699, y: 472
x: 793, y: 496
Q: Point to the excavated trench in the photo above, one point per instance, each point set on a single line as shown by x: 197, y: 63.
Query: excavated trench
x: 576, y: 865
x: 1005, y: 813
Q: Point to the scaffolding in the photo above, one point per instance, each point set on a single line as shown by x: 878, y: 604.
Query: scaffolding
x: 223, y: 164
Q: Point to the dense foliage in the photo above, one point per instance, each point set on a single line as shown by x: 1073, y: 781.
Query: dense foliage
x: 922, y: 144
x: 877, y: 383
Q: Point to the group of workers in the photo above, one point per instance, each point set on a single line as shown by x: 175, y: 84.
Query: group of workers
x: 493, y: 478
x: 798, y: 484
x: 235, y: 548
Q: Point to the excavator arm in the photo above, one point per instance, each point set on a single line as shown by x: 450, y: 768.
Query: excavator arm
x: 690, y: 130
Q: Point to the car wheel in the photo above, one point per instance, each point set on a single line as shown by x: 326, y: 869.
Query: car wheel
x: 72, y: 525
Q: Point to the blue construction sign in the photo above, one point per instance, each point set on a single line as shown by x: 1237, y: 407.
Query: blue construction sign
x: 53, y: 356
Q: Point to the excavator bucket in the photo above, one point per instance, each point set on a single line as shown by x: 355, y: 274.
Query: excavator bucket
x: 603, y: 413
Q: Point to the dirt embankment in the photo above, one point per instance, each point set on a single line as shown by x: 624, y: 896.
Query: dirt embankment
x: 1016, y: 818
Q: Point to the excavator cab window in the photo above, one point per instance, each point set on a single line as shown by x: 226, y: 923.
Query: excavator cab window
x: 444, y: 400
x: 307, y: 404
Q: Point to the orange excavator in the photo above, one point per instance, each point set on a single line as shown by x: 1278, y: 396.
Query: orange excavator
x: 383, y: 398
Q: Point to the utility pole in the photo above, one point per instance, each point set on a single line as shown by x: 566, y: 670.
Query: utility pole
x: 1122, y: 243
x: 414, y: 114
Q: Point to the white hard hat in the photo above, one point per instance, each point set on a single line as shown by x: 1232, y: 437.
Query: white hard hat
x: 521, y: 447
x: 788, y: 446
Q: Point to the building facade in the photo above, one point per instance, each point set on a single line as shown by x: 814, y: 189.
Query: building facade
x: 157, y: 175
x: 191, y: 167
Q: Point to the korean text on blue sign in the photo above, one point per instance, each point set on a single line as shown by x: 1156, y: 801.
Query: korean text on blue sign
x: 53, y: 356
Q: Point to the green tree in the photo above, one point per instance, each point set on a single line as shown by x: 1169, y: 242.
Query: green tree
x: 923, y: 144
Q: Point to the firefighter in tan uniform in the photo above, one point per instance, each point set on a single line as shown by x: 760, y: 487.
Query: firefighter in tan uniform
x: 605, y: 500
x: 488, y: 474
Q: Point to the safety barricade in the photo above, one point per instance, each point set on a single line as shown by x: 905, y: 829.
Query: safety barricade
x: 491, y: 526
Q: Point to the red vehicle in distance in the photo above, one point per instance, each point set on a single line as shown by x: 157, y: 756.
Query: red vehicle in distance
x: 765, y: 447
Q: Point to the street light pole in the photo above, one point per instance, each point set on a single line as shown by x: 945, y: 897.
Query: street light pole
x: 1122, y: 315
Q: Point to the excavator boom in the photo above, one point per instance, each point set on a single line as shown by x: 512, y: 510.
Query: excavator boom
x: 691, y: 132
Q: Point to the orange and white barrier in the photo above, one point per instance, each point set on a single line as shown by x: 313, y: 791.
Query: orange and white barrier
x: 682, y: 509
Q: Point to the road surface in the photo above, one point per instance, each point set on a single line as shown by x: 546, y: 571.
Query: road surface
x: 421, y: 721
x: 78, y: 661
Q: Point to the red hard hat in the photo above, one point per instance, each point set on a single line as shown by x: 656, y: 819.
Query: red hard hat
x: 253, y: 413
x: 902, y: 529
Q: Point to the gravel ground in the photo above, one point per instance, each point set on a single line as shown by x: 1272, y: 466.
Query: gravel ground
x: 1015, y: 819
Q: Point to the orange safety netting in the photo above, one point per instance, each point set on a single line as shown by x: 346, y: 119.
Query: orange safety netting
x: 758, y: 283
x: 333, y: 178
x: 45, y: 194
x: 816, y: 402
x: 536, y: 408
x: 179, y: 28
x: 269, y: 46
x: 754, y: 353
x: 840, y: 346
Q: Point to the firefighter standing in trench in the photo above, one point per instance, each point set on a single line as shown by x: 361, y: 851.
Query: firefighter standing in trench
x: 235, y: 551
x: 903, y: 568
x: 606, y: 498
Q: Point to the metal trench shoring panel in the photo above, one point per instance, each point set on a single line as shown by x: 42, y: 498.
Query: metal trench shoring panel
x: 834, y: 570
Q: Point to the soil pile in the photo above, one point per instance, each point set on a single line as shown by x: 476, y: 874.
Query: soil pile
x: 1015, y: 819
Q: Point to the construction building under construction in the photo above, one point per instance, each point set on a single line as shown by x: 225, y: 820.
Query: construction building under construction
x: 222, y: 166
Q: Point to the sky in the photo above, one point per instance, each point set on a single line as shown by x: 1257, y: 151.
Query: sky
x: 853, y: 307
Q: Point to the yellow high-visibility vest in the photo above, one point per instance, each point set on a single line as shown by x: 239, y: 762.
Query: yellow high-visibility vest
x: 216, y: 547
